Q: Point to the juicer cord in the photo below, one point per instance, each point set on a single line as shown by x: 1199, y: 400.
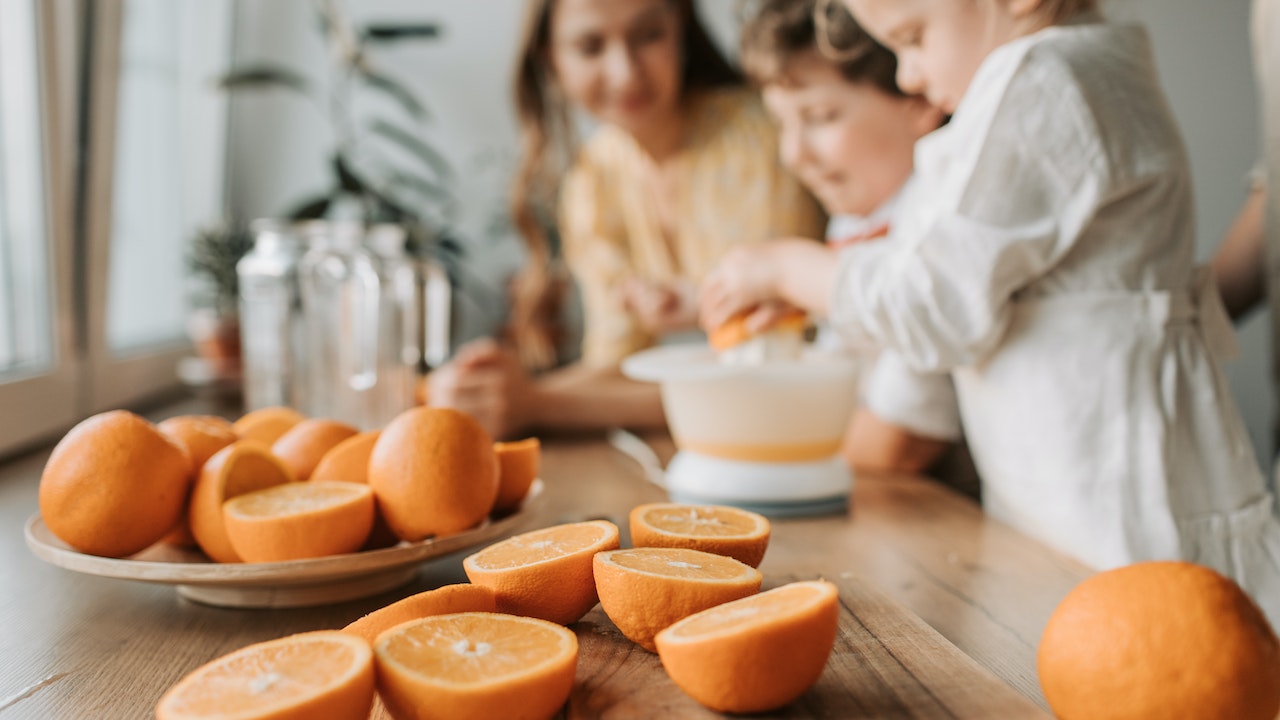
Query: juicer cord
x: 629, y: 444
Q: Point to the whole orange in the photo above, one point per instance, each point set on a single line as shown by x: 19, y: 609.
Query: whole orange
x: 302, y: 446
x: 114, y: 485
x: 202, y: 436
x: 1159, y: 640
x: 434, y: 472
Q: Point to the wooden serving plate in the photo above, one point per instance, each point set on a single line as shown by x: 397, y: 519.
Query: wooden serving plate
x: 296, y: 583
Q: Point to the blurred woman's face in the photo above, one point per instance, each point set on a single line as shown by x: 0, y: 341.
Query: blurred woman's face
x: 851, y: 144
x: 619, y: 60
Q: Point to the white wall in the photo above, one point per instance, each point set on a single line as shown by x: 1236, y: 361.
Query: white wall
x: 1201, y: 48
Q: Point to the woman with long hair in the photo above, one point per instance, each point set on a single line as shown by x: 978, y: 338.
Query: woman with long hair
x: 682, y: 166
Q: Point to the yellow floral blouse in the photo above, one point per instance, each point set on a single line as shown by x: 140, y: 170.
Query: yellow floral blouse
x: 731, y: 190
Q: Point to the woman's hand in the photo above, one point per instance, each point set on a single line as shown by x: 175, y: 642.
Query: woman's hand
x: 661, y: 306
x: 486, y: 381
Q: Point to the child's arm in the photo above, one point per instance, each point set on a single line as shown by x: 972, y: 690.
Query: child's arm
x: 796, y: 271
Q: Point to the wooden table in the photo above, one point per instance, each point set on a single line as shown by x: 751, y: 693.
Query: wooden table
x: 942, y: 608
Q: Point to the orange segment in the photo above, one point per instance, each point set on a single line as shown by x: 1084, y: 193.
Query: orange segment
x: 202, y: 436
x: 441, y: 601
x: 718, y: 529
x: 234, y: 470
x: 266, y: 425
x: 544, y: 573
x: 435, y: 473
x: 325, y: 674
x: 302, y: 446
x: 476, y: 665
x: 754, y: 654
x: 299, y: 520
x: 114, y: 485
x: 348, y: 461
x: 518, y: 465
x: 1159, y: 640
x: 644, y: 590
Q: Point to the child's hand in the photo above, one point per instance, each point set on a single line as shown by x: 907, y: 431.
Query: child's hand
x: 743, y: 280
x: 793, y: 271
x: 661, y: 306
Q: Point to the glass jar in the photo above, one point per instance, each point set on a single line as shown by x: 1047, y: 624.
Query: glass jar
x: 271, y: 317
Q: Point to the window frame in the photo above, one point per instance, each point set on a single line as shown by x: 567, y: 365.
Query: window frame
x: 114, y: 380
x: 35, y: 404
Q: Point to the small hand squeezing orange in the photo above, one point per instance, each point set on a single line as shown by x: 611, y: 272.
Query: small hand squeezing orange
x: 762, y: 287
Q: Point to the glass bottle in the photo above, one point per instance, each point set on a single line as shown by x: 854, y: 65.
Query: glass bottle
x: 339, y: 283
x: 396, y: 362
x: 271, y: 316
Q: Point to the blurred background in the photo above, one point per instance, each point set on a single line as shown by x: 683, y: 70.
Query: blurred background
x: 137, y: 137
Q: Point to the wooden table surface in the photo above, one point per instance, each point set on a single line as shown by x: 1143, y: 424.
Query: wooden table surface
x: 942, y: 608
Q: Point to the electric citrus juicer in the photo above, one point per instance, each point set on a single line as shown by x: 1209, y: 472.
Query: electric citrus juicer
x: 762, y: 436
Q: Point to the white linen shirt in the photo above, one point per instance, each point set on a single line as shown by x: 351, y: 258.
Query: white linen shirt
x: 1044, y: 256
x: 923, y: 402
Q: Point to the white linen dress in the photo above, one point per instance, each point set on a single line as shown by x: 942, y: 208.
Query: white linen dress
x: 1045, y: 257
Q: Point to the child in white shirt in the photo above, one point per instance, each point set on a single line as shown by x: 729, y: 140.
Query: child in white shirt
x: 847, y: 132
x: 1045, y: 258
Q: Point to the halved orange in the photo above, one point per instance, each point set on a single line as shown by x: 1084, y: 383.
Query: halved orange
x: 719, y: 529
x: 266, y: 425
x: 239, y: 468
x: 476, y: 665
x: 325, y: 674
x: 644, y: 590
x: 754, y: 654
x: 518, y: 466
x: 299, y: 520
x: 444, y: 600
x: 544, y: 573
x: 734, y: 330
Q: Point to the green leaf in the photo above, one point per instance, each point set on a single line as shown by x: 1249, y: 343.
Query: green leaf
x: 413, y: 144
x: 257, y: 76
x: 394, y: 89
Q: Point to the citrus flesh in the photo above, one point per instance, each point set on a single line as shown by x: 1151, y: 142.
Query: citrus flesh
x: 325, y: 674
x: 544, y: 573
x: 718, y: 529
x: 476, y: 665
x: 299, y: 520
x: 644, y: 590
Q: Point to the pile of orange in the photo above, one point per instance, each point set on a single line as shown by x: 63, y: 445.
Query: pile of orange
x: 276, y: 485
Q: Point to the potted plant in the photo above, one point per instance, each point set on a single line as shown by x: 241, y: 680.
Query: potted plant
x: 214, y: 324
x: 380, y: 160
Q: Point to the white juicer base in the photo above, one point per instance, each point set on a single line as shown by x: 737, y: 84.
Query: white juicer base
x: 803, y: 488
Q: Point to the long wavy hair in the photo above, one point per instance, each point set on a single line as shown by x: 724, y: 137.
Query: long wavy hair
x: 547, y: 148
